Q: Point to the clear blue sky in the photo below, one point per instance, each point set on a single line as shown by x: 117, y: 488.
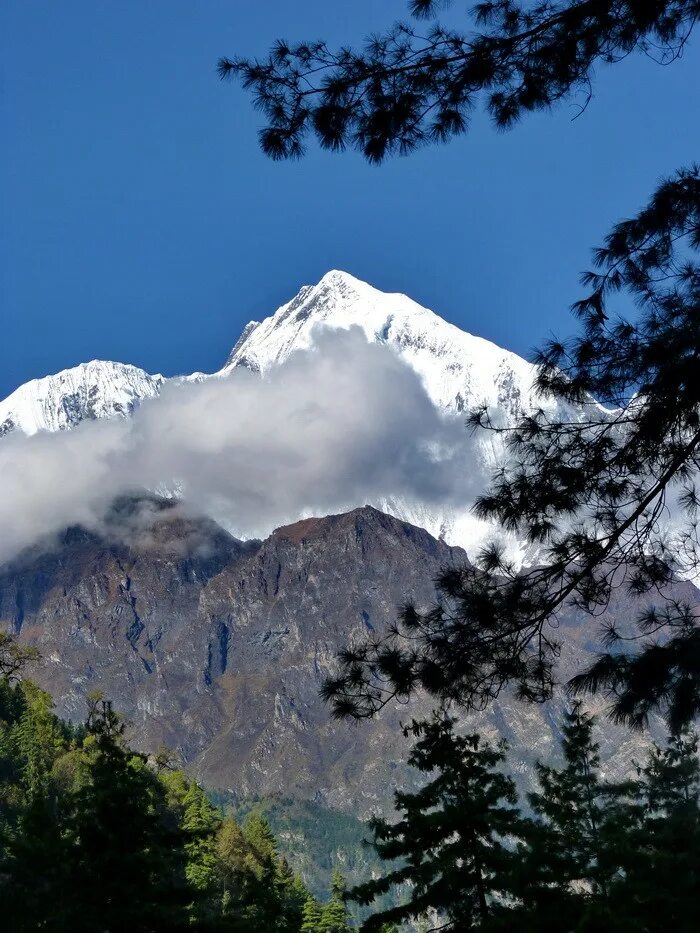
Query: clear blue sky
x: 141, y: 223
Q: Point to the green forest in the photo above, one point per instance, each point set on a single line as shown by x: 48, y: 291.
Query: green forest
x: 98, y: 836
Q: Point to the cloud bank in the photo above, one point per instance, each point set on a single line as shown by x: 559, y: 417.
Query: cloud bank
x: 342, y: 424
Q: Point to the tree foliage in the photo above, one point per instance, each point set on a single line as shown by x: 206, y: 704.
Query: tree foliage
x: 449, y: 840
x: 94, y: 835
x: 562, y: 855
x: 602, y: 480
x: 586, y: 855
x: 416, y: 85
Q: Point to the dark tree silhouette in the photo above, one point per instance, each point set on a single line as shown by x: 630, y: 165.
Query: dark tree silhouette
x: 14, y: 658
x: 561, y: 865
x: 449, y: 841
x: 592, y: 485
x: 411, y: 85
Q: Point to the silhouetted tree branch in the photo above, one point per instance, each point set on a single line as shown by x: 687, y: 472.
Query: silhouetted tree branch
x: 603, y: 482
x: 410, y: 86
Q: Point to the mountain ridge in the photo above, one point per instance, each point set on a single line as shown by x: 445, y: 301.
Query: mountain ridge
x: 218, y: 648
x: 338, y: 300
x: 458, y: 370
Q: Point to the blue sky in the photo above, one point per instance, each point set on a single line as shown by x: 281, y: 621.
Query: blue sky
x: 141, y: 223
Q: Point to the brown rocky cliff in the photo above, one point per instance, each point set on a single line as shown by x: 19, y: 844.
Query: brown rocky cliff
x: 218, y: 648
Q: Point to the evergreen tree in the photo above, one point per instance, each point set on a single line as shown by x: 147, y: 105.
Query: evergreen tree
x: 659, y: 884
x: 588, y: 491
x: 311, y: 916
x: 39, y: 739
x: 34, y: 849
x: 200, y: 823
x: 14, y: 658
x: 263, y: 904
x: 94, y: 836
x: 561, y: 865
x: 292, y: 894
x: 124, y: 861
x: 417, y: 85
x: 335, y: 916
x: 232, y: 855
x: 450, y: 839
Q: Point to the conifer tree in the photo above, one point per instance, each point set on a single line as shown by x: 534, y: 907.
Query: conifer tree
x: 263, y: 896
x: 34, y: 856
x: 311, y: 916
x: 200, y: 823
x: 292, y: 894
x: 39, y: 738
x: 659, y: 883
x: 125, y: 862
x: 561, y: 865
x: 94, y: 836
x: 588, y: 484
x: 418, y: 84
x: 335, y: 916
x: 232, y: 856
x: 14, y: 658
x: 450, y: 839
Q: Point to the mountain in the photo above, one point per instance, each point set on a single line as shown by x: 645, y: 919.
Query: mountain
x: 458, y: 370
x: 218, y: 647
x: 99, y: 389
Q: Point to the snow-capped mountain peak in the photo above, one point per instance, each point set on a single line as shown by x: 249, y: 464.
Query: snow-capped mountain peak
x: 98, y: 389
x: 458, y: 369
x: 459, y: 372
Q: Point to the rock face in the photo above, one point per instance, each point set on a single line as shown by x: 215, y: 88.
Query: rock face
x: 218, y: 648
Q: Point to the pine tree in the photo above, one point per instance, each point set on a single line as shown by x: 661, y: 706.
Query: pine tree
x: 659, y: 884
x: 561, y: 865
x: 334, y: 915
x: 33, y: 861
x: 124, y: 860
x: 588, y: 491
x: 263, y: 903
x: 94, y: 836
x: 292, y: 894
x: 450, y: 838
x: 311, y: 916
x: 416, y: 85
x: 200, y: 823
x: 237, y: 883
x: 39, y: 738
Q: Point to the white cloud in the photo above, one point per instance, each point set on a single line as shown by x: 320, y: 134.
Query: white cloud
x: 340, y: 425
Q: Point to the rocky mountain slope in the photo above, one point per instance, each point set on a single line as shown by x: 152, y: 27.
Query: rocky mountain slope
x: 218, y: 647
